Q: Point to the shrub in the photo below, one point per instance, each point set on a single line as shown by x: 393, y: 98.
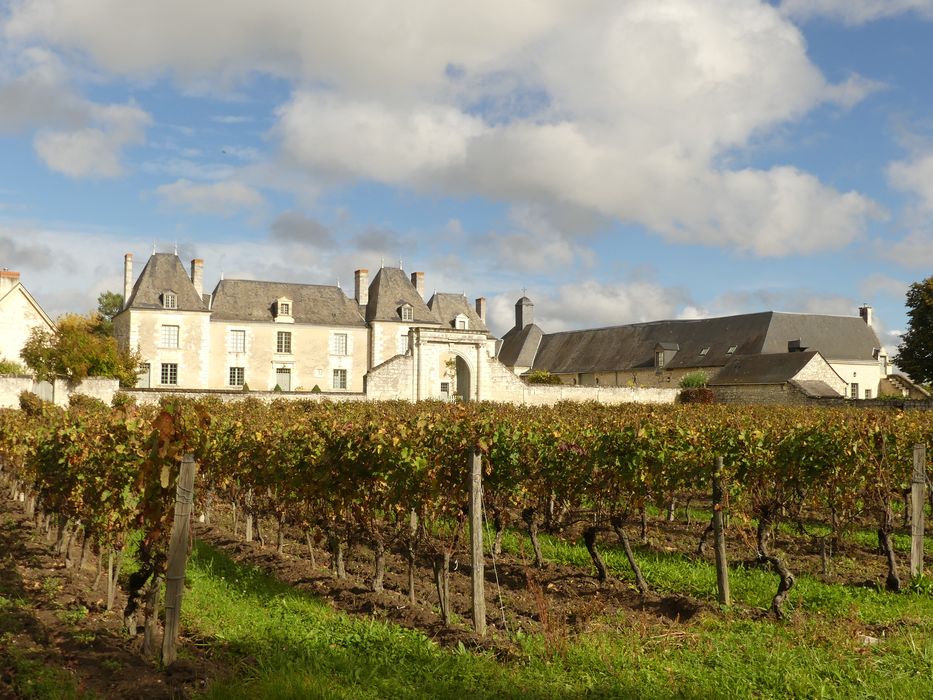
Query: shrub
x: 315, y: 389
x: 697, y: 395
x: 31, y: 404
x: 541, y: 376
x: 245, y: 387
x: 83, y: 402
x: 10, y: 367
x: 694, y: 380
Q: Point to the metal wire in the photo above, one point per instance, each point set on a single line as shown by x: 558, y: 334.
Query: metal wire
x: 492, y: 554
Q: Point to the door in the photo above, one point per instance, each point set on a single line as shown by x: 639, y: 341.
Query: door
x: 283, y: 378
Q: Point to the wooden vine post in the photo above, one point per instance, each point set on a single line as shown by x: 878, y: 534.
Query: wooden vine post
x: 476, y: 541
x: 177, y: 557
x: 918, y: 487
x: 722, y: 566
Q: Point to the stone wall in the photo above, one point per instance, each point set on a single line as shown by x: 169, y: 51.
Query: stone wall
x: 763, y: 395
x: 96, y: 387
x: 10, y: 388
x: 393, y: 379
x: 153, y: 396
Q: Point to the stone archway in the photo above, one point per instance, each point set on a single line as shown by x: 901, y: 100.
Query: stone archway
x: 464, y: 379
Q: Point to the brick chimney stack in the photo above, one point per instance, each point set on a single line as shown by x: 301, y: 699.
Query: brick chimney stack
x: 865, y: 312
x: 127, y: 278
x: 361, y: 286
x: 197, y: 276
x: 417, y: 281
x: 8, y: 280
x: 481, y: 308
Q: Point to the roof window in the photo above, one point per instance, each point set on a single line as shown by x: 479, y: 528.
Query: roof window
x: 406, y: 312
x: 169, y: 300
x: 732, y: 349
x: 703, y: 352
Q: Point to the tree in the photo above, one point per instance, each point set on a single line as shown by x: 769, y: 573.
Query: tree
x: 80, y: 347
x: 915, y: 354
x: 109, y: 304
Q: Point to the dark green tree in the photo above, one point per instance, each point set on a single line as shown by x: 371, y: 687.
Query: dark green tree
x: 915, y: 354
x: 109, y: 304
x: 79, y: 348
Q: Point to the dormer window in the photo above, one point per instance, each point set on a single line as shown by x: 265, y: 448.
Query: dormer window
x: 407, y: 312
x: 659, y: 359
x: 169, y: 300
x: 283, y: 310
x: 461, y: 322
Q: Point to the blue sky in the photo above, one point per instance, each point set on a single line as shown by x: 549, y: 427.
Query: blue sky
x: 621, y: 160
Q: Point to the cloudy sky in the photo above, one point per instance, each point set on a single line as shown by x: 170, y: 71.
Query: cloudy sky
x: 622, y: 160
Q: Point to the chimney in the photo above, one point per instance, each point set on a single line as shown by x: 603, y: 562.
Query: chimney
x: 361, y: 286
x: 865, y: 312
x: 524, y: 313
x: 417, y: 281
x: 197, y: 275
x: 481, y: 308
x: 8, y: 280
x: 127, y: 278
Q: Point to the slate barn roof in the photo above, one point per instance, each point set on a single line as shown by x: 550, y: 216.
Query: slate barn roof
x: 249, y: 300
x: 389, y: 290
x: 446, y: 307
x: 631, y: 347
x: 164, y: 272
x: 519, y: 346
x: 776, y: 368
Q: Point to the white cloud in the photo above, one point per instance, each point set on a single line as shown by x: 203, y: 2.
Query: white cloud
x: 915, y: 177
x: 226, y: 198
x: 371, y: 140
x: 93, y: 151
x: 619, y: 110
x: 591, y: 304
x: 856, y: 11
x: 881, y: 285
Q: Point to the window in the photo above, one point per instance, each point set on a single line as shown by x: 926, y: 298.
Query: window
x: 237, y: 341
x: 169, y: 373
x: 402, y: 346
x: 868, y: 393
x: 407, y: 313
x: 445, y: 388
x: 142, y: 378
x: 285, y: 309
x: 732, y: 349
x: 340, y: 379
x: 169, y: 300
x: 283, y: 342
x: 462, y: 324
x: 659, y: 359
x: 703, y: 352
x: 168, y: 337
x: 237, y: 376
x: 853, y: 393
x: 340, y: 343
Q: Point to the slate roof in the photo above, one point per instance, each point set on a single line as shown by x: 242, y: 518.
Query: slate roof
x: 619, y: 348
x: 771, y: 368
x: 518, y: 346
x: 164, y: 272
x: 250, y: 300
x: 816, y: 389
x: 446, y: 307
x: 391, y: 288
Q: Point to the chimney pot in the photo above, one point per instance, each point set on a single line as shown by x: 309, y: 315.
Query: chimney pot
x: 361, y: 286
x: 417, y: 281
x: 197, y: 276
x: 127, y: 278
x: 481, y: 308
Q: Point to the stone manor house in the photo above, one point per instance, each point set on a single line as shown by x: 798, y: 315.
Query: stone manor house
x: 389, y: 341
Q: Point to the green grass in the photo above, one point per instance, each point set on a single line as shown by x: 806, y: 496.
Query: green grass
x: 300, y: 647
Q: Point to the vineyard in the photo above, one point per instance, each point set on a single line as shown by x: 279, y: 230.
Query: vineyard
x: 392, y: 480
